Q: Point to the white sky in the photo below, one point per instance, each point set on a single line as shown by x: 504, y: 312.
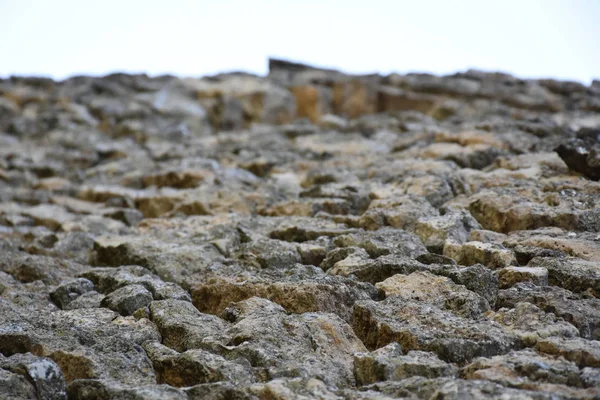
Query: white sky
x: 529, y: 38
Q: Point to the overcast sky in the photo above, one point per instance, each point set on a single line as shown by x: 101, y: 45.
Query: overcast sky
x: 529, y: 38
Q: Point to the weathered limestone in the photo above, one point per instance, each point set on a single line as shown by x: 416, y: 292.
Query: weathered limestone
x: 308, y: 234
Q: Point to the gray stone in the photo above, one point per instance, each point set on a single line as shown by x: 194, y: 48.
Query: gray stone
x: 295, y: 388
x: 531, y: 324
x: 97, y: 389
x: 108, y: 280
x: 581, y: 312
x: 297, y: 288
x: 16, y: 386
x: 218, y: 391
x: 571, y: 273
x: 454, y: 226
x: 510, y: 276
x: 259, y: 235
x: 478, y: 389
x: 583, y: 352
x: 438, y: 291
x: 385, y: 241
x: 91, y: 299
x: 320, y: 345
x: 476, y: 278
x: 65, y: 293
x: 398, y: 212
x: 182, y: 326
x: 29, y: 268
x: 581, y: 155
x: 488, y: 254
x: 85, y: 343
x: 420, y: 326
x: 532, y: 371
x: 44, y: 375
x: 127, y: 299
x: 388, y: 363
x: 195, y: 366
x: 374, y: 271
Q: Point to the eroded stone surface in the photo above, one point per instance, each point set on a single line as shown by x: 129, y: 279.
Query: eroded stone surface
x: 532, y: 371
x: 436, y: 290
x: 127, y: 299
x: 309, y: 344
x: 389, y: 364
x: 251, y: 237
x: 530, y: 323
x: 571, y: 273
x: 580, y: 311
x: 510, y: 276
x: 488, y: 254
x: 583, y: 352
x: 85, y: 343
x: 42, y: 373
x: 420, y: 326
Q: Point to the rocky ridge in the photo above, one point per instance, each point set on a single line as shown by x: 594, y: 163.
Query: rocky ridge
x: 308, y: 234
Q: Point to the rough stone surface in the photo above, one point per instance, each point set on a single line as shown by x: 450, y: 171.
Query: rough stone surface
x: 581, y: 311
x: 92, y: 389
x: 488, y: 254
x: 16, y: 386
x: 305, y: 234
x: 454, y: 226
x: 436, y: 290
x: 421, y: 326
x: 554, y: 243
x: 530, y: 370
x: 530, y: 323
x: 582, y: 155
x: 583, y: 352
x: 297, y: 288
x: 195, y: 367
x: 127, y: 299
x: 65, y: 293
x: 571, y: 273
x: 281, y: 345
x: 510, y: 276
x: 42, y: 373
x: 85, y: 343
x: 389, y: 364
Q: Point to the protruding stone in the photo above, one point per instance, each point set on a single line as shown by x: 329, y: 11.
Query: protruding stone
x: 435, y: 231
x: 583, y: 352
x: 128, y: 299
x: 510, y: 276
x: 436, y: 290
x: 195, y: 366
x: 581, y: 155
x: 532, y: 371
x: 44, y: 374
x: 92, y: 389
x: 182, y: 326
x: 582, y: 312
x: 531, y: 324
x: 571, y: 273
x: 66, y: 292
x: 389, y: 364
x: 420, y: 326
x: 488, y: 254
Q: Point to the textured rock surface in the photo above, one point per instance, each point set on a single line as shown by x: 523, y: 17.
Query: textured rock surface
x: 510, y: 276
x: 308, y: 234
x: 44, y: 375
x: 421, y: 326
x: 530, y: 323
x: 389, y: 364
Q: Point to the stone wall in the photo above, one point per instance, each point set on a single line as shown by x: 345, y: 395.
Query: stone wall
x: 308, y: 234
